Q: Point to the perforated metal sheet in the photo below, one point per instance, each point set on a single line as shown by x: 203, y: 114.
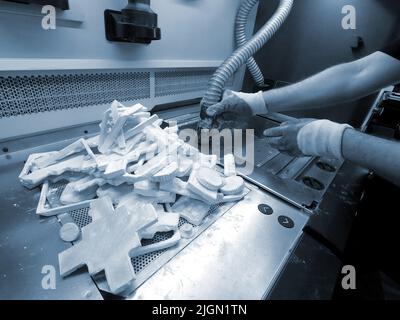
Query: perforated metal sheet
x: 170, y: 83
x: 59, y: 187
x: 141, y: 262
x: 82, y: 218
x: 21, y: 95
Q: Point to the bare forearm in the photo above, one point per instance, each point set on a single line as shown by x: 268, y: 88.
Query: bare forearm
x: 329, y: 87
x: 379, y: 155
x: 341, y: 83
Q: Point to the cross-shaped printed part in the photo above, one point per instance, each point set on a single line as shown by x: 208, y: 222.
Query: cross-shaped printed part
x: 108, y: 243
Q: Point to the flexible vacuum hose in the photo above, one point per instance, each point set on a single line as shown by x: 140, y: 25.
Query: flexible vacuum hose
x: 241, y: 39
x: 239, y: 57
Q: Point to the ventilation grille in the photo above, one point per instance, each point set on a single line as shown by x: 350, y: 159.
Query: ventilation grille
x: 32, y: 94
x: 22, y: 95
x: 169, y: 83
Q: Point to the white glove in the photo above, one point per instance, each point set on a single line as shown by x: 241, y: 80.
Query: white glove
x: 322, y: 138
x: 243, y: 104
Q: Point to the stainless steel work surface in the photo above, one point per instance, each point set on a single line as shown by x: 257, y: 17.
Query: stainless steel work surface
x: 238, y: 257
x: 29, y: 245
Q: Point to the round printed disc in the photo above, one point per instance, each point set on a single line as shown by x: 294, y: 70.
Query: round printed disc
x: 233, y: 185
x: 69, y: 232
x: 209, y: 179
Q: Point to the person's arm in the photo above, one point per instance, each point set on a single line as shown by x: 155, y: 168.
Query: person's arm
x: 341, y: 83
x: 379, y: 155
x: 332, y: 140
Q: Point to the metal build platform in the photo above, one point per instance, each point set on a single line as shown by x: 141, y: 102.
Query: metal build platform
x: 243, y: 250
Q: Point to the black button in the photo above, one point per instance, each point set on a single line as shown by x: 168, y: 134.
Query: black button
x: 286, y: 222
x: 265, y: 209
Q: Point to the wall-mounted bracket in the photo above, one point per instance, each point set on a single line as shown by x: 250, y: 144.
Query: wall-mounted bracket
x: 136, y: 23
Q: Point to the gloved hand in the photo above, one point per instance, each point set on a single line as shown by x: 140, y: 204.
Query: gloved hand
x: 308, y: 137
x: 242, y: 104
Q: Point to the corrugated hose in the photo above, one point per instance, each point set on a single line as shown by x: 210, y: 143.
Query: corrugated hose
x: 242, y: 54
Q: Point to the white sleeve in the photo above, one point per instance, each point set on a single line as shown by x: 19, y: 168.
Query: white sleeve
x: 322, y: 138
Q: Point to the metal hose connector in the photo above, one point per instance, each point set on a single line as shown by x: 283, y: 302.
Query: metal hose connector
x: 241, y: 55
x: 241, y: 39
